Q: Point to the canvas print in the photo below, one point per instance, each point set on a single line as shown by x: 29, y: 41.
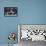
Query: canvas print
x: 30, y: 35
x: 32, y: 32
x: 10, y: 11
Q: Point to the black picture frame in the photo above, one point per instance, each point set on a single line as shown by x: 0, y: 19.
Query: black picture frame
x: 10, y: 11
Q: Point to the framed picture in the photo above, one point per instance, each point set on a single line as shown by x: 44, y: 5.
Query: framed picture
x: 33, y: 32
x: 10, y: 11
